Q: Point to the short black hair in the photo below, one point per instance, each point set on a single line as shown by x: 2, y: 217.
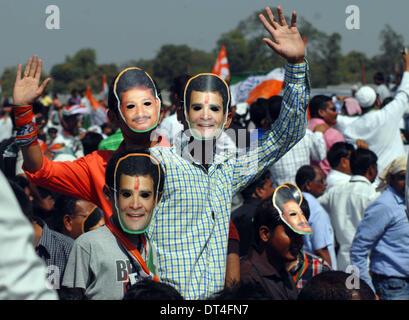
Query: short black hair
x: 361, y: 159
x: 147, y: 289
x: 178, y: 86
x: 265, y: 215
x: 379, y: 77
x: 318, y: 102
x: 338, y: 151
x: 305, y: 208
x: 304, y: 174
x: 258, y: 183
x: 274, y: 107
x: 211, y: 83
x: 91, y: 141
x: 259, y: 111
x: 331, y: 285
x: 63, y: 205
x: 134, y: 165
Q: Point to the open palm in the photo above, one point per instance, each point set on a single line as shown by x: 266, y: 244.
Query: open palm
x: 287, y: 41
x: 27, y: 89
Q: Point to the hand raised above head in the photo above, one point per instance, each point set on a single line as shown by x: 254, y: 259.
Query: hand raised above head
x: 287, y: 41
x: 27, y: 88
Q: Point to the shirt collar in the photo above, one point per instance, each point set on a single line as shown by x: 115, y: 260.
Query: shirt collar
x: 299, y: 263
x: 359, y: 178
x: 399, y: 199
x: 45, y: 241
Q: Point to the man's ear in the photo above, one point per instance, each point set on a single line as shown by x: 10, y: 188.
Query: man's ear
x: 260, y: 192
x: 67, y: 222
x: 321, y: 113
x: 106, y: 192
x: 307, y: 186
x: 264, y: 234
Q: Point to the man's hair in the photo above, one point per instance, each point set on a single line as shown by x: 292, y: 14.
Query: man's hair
x: 241, y: 291
x: 258, y: 183
x: 130, y: 79
x: 21, y: 181
x: 147, y: 289
x: 211, y: 83
x: 304, y: 174
x: 134, y: 165
x: 178, y: 86
x: 259, y: 112
x: 331, y: 285
x: 318, y: 102
x: 52, y: 130
x: 23, y: 200
x: 379, y: 77
x: 265, y: 215
x: 274, y: 107
x: 63, y: 205
x: 90, y: 142
x: 338, y: 151
x: 361, y: 159
x: 305, y: 208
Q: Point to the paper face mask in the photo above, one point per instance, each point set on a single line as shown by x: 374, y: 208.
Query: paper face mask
x: 287, y: 199
x: 135, y: 197
x: 206, y: 105
x: 137, y: 100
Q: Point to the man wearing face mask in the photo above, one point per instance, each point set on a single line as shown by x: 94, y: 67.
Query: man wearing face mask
x: 195, y: 209
x: 99, y: 266
x: 279, y: 225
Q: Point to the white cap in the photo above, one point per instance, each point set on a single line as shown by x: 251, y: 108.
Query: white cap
x: 366, y: 96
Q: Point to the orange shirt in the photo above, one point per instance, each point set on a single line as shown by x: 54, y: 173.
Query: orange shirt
x: 83, y: 178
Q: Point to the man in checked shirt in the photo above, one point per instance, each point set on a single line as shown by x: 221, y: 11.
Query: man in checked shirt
x: 190, y: 224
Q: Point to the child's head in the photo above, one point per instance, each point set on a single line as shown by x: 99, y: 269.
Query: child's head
x: 134, y: 182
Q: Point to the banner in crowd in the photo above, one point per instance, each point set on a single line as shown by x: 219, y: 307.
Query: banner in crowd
x: 258, y: 86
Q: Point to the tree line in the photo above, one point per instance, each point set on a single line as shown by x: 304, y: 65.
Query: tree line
x: 246, y: 53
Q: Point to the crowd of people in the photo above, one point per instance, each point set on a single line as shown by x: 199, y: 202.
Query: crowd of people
x: 132, y: 198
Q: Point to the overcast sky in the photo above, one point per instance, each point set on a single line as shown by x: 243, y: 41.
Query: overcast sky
x: 122, y: 30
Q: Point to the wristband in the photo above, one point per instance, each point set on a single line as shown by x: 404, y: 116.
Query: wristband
x: 23, y: 115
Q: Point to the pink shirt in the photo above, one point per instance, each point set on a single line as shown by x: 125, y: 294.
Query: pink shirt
x: 331, y: 136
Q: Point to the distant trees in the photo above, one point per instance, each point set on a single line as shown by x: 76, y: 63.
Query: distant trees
x: 246, y: 52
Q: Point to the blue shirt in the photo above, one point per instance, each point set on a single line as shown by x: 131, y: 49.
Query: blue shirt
x: 322, y: 233
x: 384, y: 230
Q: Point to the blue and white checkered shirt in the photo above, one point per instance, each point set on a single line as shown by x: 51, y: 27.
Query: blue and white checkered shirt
x: 190, y: 224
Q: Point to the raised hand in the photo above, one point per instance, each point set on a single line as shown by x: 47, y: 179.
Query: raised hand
x: 287, y: 41
x: 27, y: 88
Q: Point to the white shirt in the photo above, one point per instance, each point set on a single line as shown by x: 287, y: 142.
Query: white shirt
x: 6, y: 128
x: 22, y: 272
x: 346, y: 205
x: 170, y: 127
x: 383, y: 92
x: 335, y: 178
x: 311, y: 146
x: 380, y: 128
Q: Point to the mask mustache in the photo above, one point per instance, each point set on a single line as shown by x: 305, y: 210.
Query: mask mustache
x: 141, y: 118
